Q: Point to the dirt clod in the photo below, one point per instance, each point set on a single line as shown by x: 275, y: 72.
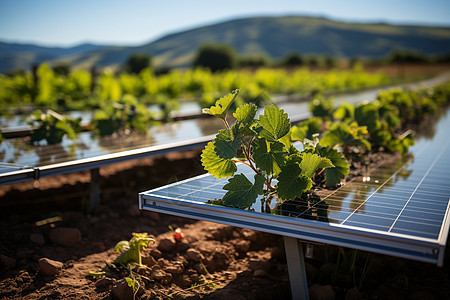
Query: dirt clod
x: 50, y: 267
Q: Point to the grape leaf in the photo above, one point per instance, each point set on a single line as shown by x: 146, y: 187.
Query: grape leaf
x: 312, y: 162
x: 245, y: 114
x: 216, y: 166
x: 269, y: 156
x: 341, y: 168
x: 222, y: 105
x: 275, y: 123
x: 227, y: 144
x: 241, y: 192
x: 291, y: 182
x: 367, y: 115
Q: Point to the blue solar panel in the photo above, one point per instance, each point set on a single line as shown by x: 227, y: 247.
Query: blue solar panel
x: 400, y: 208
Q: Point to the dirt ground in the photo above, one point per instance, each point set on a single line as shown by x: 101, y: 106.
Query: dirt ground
x: 49, y: 243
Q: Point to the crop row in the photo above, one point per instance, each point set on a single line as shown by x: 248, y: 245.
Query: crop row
x: 84, y: 90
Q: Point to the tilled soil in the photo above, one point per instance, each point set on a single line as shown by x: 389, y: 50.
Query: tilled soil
x: 49, y: 243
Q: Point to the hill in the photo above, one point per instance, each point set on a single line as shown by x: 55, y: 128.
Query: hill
x: 270, y: 36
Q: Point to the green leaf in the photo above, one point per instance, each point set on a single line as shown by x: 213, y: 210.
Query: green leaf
x: 291, y: 182
x: 245, y: 114
x: 222, y: 105
x: 216, y: 166
x: 241, y: 192
x: 367, y: 115
x: 341, y: 168
x: 312, y: 162
x: 275, y: 123
x: 269, y: 156
x: 132, y: 283
x: 227, y: 144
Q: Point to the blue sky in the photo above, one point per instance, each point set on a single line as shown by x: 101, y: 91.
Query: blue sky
x: 135, y: 22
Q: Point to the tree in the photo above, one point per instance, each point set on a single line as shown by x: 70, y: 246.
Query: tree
x: 293, y: 59
x: 136, y: 62
x: 216, y: 57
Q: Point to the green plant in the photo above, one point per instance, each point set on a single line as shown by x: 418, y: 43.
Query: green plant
x: 130, y: 251
x: 264, y: 145
x: 52, y: 127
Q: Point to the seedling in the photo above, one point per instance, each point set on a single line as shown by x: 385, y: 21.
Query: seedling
x: 131, y: 250
x: 264, y: 145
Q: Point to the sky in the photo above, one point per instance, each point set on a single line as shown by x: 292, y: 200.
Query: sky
x: 68, y: 23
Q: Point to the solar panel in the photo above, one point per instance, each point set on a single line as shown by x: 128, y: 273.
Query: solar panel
x: 400, y: 209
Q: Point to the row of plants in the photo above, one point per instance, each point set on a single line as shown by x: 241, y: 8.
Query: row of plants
x: 332, y: 138
x: 84, y: 90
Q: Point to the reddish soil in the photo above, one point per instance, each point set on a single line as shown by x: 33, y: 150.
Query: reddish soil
x: 213, y: 261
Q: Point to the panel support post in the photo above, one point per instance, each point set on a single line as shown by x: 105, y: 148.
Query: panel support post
x: 94, y: 189
x: 296, y: 268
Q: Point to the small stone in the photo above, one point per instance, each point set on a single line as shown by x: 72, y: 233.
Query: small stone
x: 260, y: 265
x: 277, y: 253
x: 166, y: 245
x: 122, y: 291
x: 155, y: 253
x: 49, y: 267
x: 105, y: 281
x: 158, y: 274
x: 194, y: 255
x: 242, y: 246
x: 260, y: 273
x: 176, y: 268
x: 7, y: 261
x: 148, y: 260
x: 37, y: 238
x: 65, y: 236
x: 162, y: 262
x: 322, y: 292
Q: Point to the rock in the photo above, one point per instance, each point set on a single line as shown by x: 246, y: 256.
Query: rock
x: 354, y: 294
x: 260, y: 265
x: 148, y: 260
x: 158, y: 274
x: 322, y: 292
x: 105, y: 281
x: 242, y: 246
x: 67, y: 237
x: 194, y: 255
x: 277, y: 253
x: 7, y: 261
x: 260, y: 273
x: 166, y: 245
x: 122, y: 291
x: 162, y: 262
x: 37, y: 238
x: 49, y: 267
x: 155, y: 253
x: 176, y: 268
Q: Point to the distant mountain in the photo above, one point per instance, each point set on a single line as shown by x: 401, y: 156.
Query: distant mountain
x: 272, y: 36
x: 15, y: 56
